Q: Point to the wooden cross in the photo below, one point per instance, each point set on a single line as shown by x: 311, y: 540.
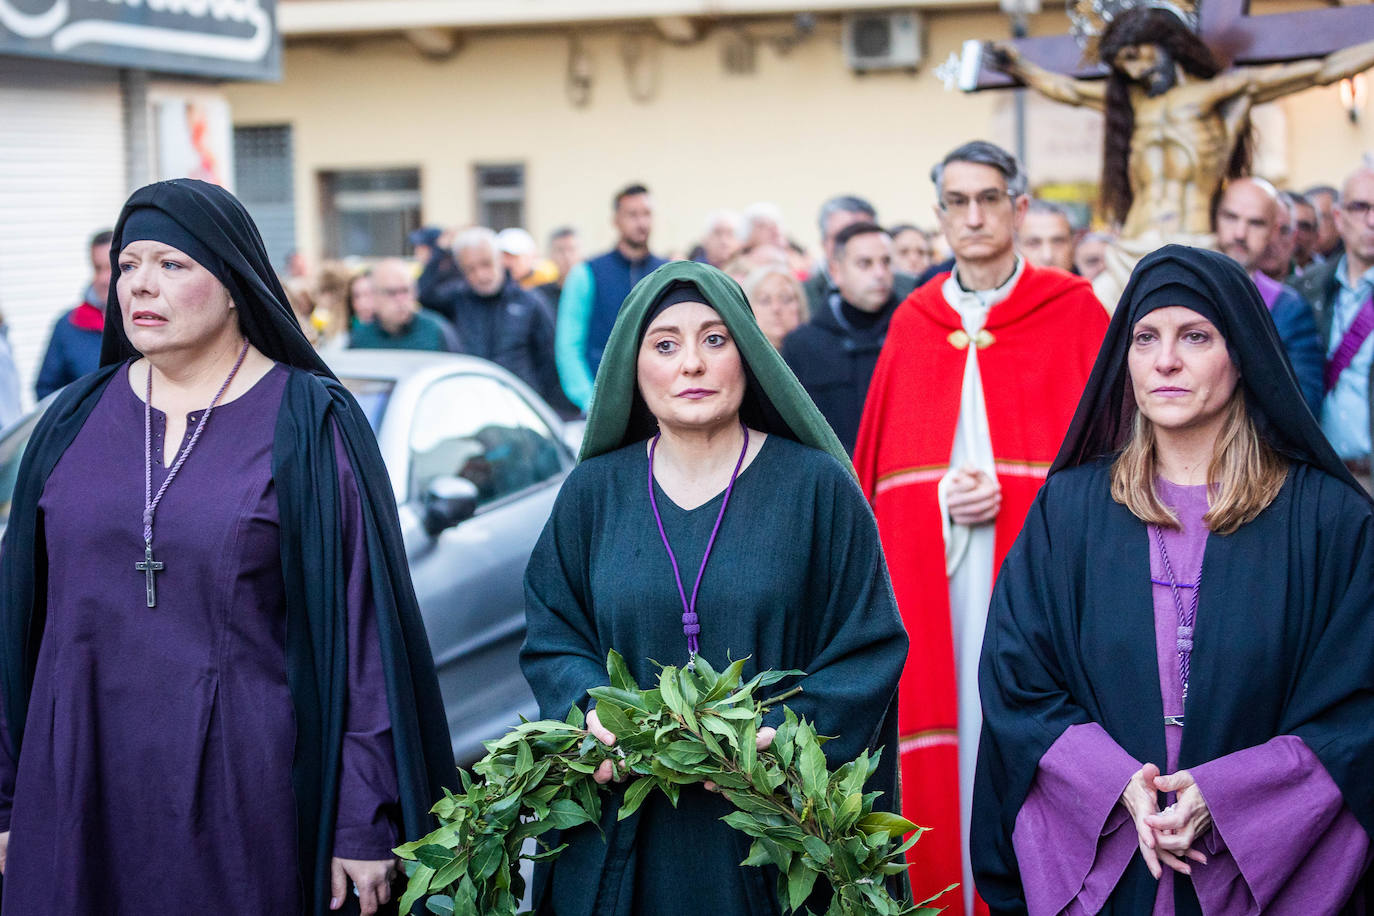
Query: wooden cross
x: 1227, y: 27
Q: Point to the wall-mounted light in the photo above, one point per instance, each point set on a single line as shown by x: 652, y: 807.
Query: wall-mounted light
x: 1354, y: 93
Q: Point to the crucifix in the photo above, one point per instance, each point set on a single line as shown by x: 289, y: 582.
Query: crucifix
x: 150, y: 568
x: 1178, y: 120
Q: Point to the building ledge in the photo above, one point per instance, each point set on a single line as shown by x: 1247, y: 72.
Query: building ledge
x: 303, y: 18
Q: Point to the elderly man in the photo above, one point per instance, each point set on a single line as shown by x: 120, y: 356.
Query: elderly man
x: 399, y: 323
x: 721, y: 241
x: 497, y: 319
x: 1276, y: 260
x: 74, y: 347
x: 1045, y: 238
x: 836, y: 213
x: 1342, y: 294
x: 972, y: 395
x: 1247, y: 225
x: 833, y: 354
x: 594, y: 290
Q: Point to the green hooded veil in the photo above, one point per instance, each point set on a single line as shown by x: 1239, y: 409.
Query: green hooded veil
x: 774, y: 401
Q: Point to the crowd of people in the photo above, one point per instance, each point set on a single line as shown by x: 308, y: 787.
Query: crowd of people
x: 971, y: 499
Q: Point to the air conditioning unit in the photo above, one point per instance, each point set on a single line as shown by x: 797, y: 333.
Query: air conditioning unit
x: 884, y: 40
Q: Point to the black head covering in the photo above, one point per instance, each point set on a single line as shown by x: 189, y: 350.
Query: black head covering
x: 1216, y: 287
x: 210, y: 225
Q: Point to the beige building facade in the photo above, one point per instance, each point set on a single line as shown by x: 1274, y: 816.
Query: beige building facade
x: 459, y: 113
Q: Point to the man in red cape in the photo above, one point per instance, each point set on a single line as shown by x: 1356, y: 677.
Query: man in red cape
x: 973, y: 392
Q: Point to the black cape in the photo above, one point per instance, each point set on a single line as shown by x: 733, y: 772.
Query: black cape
x: 1283, y: 635
x: 305, y: 474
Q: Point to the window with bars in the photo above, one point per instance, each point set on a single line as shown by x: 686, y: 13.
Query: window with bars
x: 369, y: 213
x: 263, y: 180
x: 500, y: 195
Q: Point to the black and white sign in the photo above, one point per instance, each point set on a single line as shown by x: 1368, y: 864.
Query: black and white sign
x: 233, y: 39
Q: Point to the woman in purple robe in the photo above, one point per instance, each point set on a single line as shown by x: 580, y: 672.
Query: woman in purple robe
x: 1177, y: 682
x: 217, y: 692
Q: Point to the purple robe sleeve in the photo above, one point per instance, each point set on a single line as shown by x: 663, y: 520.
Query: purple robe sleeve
x: 368, y: 795
x: 1073, y: 840
x: 1282, y: 838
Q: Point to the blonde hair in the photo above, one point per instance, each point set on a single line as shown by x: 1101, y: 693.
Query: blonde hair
x: 1245, y: 473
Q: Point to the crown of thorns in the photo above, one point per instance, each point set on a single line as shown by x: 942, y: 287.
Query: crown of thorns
x: 1089, y: 18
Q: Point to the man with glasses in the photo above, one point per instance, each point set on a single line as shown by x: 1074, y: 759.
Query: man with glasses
x: 1341, y: 292
x: 973, y: 392
x: 400, y: 323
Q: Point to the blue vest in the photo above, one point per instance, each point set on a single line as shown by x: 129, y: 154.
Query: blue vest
x: 613, y: 276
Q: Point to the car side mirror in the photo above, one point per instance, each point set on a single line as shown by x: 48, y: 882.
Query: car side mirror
x: 448, y: 501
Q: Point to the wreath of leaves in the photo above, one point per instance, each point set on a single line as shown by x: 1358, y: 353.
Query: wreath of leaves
x: 810, y: 823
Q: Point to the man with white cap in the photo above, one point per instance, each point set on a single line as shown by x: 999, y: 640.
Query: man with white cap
x: 520, y: 255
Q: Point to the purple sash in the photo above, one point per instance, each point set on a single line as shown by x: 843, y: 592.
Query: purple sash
x: 1350, y: 344
x: 1268, y: 287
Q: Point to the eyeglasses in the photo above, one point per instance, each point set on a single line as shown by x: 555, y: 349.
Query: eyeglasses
x: 394, y: 292
x: 1305, y: 225
x: 987, y: 200
x: 1359, y: 209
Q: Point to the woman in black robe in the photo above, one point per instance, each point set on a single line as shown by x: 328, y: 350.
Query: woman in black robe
x: 1187, y: 735
x: 248, y: 719
x: 795, y: 579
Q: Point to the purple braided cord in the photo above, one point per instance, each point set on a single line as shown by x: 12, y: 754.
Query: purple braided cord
x: 1186, y: 620
x: 149, y: 500
x: 690, y: 624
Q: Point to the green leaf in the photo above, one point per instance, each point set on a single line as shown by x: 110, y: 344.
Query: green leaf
x: 885, y: 820
x: 489, y: 857
x: 814, y: 774
x: 620, y: 674
x: 614, y: 720
x: 566, y: 813
x: 576, y: 717
x: 434, y: 856
x: 800, y: 880
x: 817, y: 849
x: 726, y: 682
x: 441, y: 905
x: 524, y: 758
x: 416, y: 888
x: 634, y: 797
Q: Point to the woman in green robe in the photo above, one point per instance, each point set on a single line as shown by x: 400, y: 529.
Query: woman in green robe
x: 713, y: 512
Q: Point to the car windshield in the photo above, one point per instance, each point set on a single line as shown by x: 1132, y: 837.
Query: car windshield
x: 372, y: 395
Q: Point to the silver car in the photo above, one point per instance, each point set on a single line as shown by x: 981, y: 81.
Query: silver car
x: 475, y: 459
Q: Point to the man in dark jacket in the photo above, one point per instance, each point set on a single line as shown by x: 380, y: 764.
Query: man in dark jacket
x: 498, y: 320
x: 1247, y: 224
x: 1342, y: 295
x: 834, y: 353
x: 74, y: 348
x: 836, y: 214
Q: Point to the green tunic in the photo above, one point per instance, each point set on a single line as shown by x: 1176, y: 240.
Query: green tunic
x: 796, y: 580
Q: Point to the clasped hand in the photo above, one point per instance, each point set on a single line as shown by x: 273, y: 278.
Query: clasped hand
x: 609, y: 770
x: 973, y: 496
x: 1167, y: 837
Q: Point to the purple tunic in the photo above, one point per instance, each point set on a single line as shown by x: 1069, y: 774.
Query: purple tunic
x: 1282, y: 838
x: 155, y: 774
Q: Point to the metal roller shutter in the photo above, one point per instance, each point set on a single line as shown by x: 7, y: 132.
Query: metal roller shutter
x: 62, y: 178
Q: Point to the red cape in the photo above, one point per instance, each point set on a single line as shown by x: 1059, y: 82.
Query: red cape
x: 1044, y: 338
